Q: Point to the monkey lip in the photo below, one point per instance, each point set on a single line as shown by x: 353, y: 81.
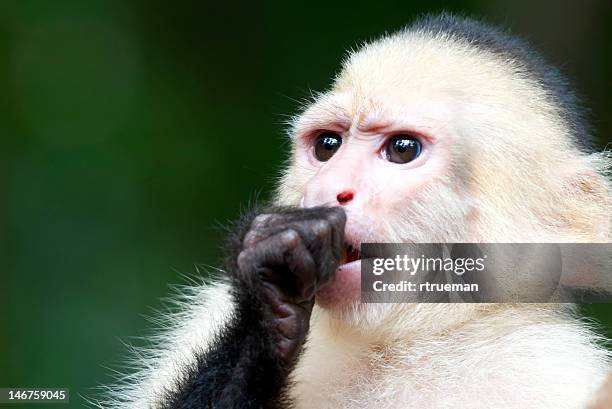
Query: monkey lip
x: 343, y: 289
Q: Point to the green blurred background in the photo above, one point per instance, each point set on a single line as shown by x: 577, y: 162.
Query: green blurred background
x: 131, y: 129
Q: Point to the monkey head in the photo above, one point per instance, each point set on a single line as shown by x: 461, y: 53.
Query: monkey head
x: 436, y: 134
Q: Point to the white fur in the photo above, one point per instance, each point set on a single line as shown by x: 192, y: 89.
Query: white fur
x: 156, y: 369
x: 522, y: 357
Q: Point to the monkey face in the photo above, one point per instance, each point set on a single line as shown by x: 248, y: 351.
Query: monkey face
x: 389, y: 170
x: 417, y: 152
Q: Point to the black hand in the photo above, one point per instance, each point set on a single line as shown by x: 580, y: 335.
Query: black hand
x: 275, y: 264
x: 286, y: 257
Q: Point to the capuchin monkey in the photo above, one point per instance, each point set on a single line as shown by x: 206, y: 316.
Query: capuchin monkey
x: 447, y: 131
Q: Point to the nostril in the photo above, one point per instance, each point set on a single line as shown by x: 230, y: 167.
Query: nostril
x: 345, y: 197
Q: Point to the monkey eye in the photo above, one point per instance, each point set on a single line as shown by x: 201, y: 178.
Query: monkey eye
x: 326, y: 145
x: 402, y: 149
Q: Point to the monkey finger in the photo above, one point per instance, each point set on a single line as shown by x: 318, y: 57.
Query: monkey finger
x: 268, y: 252
x: 303, y: 269
x: 266, y: 224
x: 282, y: 259
x: 337, y: 218
x: 317, y: 237
x: 263, y: 231
x: 289, y: 215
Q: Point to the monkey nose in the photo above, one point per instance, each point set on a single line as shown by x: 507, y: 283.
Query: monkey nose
x: 345, y: 197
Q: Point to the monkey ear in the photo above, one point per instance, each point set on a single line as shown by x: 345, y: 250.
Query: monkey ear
x: 588, y: 204
x: 592, y: 185
x: 588, y: 215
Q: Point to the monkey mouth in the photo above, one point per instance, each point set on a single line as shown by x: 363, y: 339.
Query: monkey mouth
x: 351, y: 254
x: 344, y: 287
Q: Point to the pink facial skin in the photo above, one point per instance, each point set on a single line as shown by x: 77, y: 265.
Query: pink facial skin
x: 360, y: 178
x: 343, y: 289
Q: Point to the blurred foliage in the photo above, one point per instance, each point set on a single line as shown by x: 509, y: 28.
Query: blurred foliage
x: 131, y: 130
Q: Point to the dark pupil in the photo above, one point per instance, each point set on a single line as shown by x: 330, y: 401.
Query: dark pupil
x: 403, y: 145
x: 331, y: 144
x: 326, y: 146
x: 403, y: 149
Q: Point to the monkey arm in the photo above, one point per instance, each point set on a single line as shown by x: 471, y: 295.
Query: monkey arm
x: 275, y: 266
x: 241, y: 368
